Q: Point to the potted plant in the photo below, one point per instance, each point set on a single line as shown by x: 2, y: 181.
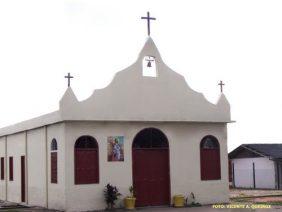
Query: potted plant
x: 193, y: 203
x: 111, y: 194
x: 129, y: 201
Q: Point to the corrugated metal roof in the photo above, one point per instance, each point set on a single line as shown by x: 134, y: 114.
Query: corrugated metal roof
x: 268, y: 150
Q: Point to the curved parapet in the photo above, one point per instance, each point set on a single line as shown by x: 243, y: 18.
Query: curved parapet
x: 134, y: 97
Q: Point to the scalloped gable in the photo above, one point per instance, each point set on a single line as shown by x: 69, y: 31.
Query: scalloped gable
x: 133, y: 97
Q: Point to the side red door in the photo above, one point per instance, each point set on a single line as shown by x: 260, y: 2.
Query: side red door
x: 23, y: 178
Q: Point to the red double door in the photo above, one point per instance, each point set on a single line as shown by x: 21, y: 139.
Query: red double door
x: 151, y: 179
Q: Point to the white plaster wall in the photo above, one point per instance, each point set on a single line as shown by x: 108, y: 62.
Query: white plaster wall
x: 56, y: 192
x: 36, y: 160
x: 2, y: 182
x: 184, y: 141
x: 16, y: 149
x: 185, y: 162
x: 264, y: 172
x: 35, y: 167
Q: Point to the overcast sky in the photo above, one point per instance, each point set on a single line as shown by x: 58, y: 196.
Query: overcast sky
x: 239, y: 42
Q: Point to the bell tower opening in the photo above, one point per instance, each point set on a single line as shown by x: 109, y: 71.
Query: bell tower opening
x: 149, y: 66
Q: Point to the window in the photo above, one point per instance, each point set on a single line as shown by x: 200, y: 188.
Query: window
x: 150, y: 138
x: 2, y: 169
x: 54, y: 145
x: 54, y: 161
x: 210, y: 158
x: 149, y: 66
x: 86, y: 160
x: 54, y: 167
x: 11, y: 169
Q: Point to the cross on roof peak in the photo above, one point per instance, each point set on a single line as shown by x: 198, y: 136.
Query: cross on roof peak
x: 148, y: 18
x: 221, y: 84
x: 69, y: 77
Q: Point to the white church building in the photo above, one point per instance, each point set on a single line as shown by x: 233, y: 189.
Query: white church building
x: 147, y: 128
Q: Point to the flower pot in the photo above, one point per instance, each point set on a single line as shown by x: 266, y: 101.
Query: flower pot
x: 178, y: 201
x: 129, y: 203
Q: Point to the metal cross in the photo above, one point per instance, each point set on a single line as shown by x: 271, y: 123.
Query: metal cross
x: 221, y: 84
x: 148, y: 21
x: 69, y: 77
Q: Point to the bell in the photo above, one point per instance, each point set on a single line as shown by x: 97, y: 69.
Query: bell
x: 149, y: 64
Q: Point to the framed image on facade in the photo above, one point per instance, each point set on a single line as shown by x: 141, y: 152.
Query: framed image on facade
x: 115, y: 148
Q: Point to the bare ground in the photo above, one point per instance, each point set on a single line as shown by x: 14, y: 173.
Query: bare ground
x: 253, y: 193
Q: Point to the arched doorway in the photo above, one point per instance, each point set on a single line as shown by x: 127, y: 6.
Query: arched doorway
x: 151, y: 180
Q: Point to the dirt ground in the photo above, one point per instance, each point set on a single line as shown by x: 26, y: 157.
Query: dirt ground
x: 268, y: 199
x: 253, y: 192
x: 250, y: 196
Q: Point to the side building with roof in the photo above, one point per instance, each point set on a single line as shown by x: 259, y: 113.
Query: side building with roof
x: 256, y: 166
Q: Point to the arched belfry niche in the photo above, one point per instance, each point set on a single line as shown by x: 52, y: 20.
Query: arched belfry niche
x: 149, y: 67
x: 150, y: 161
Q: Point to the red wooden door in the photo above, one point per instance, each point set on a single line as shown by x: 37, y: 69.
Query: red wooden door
x: 23, y: 178
x: 151, y: 176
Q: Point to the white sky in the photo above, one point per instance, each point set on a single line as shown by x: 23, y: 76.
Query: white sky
x: 239, y: 42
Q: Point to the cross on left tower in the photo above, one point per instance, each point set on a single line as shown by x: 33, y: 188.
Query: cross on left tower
x: 69, y: 77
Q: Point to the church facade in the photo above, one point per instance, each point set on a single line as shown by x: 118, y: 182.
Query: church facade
x: 152, y: 132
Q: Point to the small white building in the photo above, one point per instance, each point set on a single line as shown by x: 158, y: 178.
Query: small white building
x: 147, y: 128
x: 257, y: 166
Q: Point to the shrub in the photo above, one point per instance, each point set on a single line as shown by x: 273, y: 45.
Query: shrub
x: 111, y: 194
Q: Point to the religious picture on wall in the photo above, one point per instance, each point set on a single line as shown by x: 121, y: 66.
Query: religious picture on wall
x: 115, y: 148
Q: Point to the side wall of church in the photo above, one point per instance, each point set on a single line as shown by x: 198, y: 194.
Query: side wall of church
x: 35, y: 145
x: 185, y: 177
x: 36, y: 161
x: 15, y: 149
